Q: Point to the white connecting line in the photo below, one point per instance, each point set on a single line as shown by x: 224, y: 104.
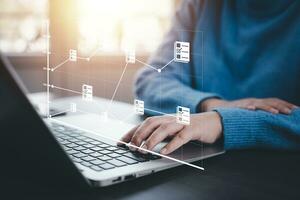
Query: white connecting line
x: 130, y: 145
x: 156, y: 69
x: 78, y: 57
x: 60, y: 88
x: 116, y: 89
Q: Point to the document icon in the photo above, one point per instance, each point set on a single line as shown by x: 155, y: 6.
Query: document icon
x: 139, y: 107
x: 183, y: 115
x: 73, y: 55
x: 182, y: 52
x: 130, y: 56
x: 87, y: 92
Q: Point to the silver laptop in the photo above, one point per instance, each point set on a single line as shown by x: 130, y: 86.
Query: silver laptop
x: 75, y: 153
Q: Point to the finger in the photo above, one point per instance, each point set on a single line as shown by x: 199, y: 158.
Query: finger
x: 284, y: 109
x: 162, y: 133
x: 283, y: 102
x: 267, y: 108
x: 146, y: 128
x: 250, y: 107
x: 127, y: 137
x: 180, y: 139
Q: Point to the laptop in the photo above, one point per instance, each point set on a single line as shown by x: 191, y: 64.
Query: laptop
x: 54, y: 152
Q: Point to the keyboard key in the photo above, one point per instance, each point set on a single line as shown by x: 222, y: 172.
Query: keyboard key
x: 97, y: 148
x: 105, y: 152
x: 107, y: 166
x: 79, y: 155
x: 117, y: 163
x: 97, y: 162
x: 72, y: 145
x: 87, y: 151
x: 73, y: 140
x: 103, y: 145
x: 95, y: 142
x: 121, y: 151
x: 81, y: 143
x: 127, y: 160
x: 104, y: 158
x: 112, y: 148
x: 88, y: 139
x: 96, y: 154
x: 87, y: 164
x: 96, y: 168
x: 88, y: 158
x: 72, y: 151
x: 113, y: 155
x: 79, y: 148
x: 88, y: 145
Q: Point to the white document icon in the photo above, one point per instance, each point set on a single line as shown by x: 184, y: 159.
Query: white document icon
x: 182, y: 52
x: 87, y: 92
x: 130, y: 56
x: 139, y: 107
x: 183, y: 115
x: 73, y: 55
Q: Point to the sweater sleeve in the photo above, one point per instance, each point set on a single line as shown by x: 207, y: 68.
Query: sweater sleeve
x: 164, y: 91
x: 258, y: 129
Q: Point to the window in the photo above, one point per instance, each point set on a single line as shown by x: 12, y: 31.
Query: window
x: 113, y: 25
x: 116, y: 25
x: 21, y: 25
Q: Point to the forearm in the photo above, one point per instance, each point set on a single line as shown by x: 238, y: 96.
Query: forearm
x: 258, y: 129
x: 165, y: 93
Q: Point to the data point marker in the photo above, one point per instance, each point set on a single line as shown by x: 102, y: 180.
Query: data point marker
x: 87, y: 92
x: 183, y: 115
x: 73, y: 55
x: 139, y: 107
x: 182, y: 52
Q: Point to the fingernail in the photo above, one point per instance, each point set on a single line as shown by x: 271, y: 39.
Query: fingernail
x: 163, y: 151
x: 274, y: 111
x: 286, y: 110
x: 144, y: 147
x: 251, y: 107
x: 132, y: 148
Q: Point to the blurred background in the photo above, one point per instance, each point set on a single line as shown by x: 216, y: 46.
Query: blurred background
x: 85, y: 25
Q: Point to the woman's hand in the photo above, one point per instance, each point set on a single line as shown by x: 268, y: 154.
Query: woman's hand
x: 204, y: 127
x: 272, y: 105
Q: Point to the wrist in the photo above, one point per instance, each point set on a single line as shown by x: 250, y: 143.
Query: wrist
x: 209, y: 104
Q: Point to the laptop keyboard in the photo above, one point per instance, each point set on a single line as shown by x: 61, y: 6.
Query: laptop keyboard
x: 96, y: 154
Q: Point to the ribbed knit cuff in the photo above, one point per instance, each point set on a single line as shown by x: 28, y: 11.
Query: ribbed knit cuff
x: 241, y: 128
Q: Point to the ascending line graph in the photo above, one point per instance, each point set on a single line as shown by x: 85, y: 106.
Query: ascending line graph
x: 49, y: 86
x: 68, y: 59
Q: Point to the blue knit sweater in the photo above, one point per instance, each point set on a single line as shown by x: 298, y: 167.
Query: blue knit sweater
x: 239, y: 49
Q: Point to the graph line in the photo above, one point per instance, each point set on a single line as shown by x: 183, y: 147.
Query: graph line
x: 64, y: 89
x: 146, y: 64
x: 59, y: 65
x: 155, y: 111
x: 167, y: 64
x: 156, y: 69
x: 116, y: 89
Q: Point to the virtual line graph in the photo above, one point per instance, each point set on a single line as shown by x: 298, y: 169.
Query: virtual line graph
x: 181, y: 54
